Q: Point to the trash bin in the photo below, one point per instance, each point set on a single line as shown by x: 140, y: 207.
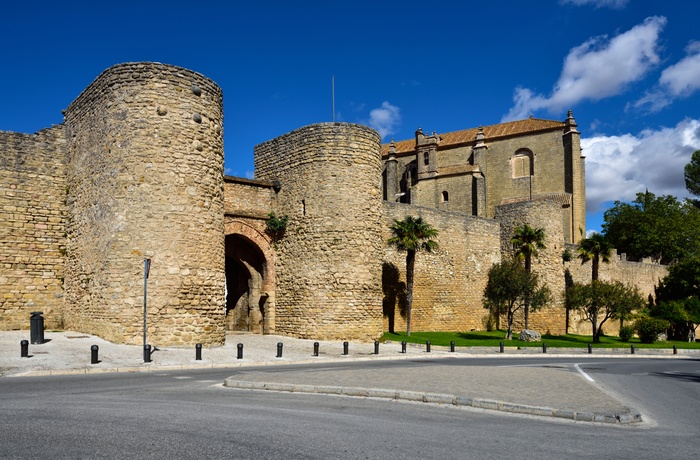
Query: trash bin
x: 36, y: 327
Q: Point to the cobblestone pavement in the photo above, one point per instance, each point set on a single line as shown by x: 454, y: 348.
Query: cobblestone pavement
x: 552, y: 390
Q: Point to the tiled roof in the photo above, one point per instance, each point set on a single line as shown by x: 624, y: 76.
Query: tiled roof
x: 510, y: 128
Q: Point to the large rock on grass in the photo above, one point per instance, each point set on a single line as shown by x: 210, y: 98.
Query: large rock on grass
x: 528, y: 335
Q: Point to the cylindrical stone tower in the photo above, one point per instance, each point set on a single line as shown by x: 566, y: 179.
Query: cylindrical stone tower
x: 329, y: 263
x: 144, y: 179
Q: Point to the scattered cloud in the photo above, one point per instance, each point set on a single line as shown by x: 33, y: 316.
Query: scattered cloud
x: 596, y: 69
x: 679, y: 80
x: 228, y: 171
x: 613, y: 4
x: 250, y: 174
x: 385, y: 119
x: 618, y: 167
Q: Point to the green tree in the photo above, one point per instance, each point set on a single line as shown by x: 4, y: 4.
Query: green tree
x: 692, y: 176
x: 411, y: 235
x: 660, y: 227
x: 509, y: 286
x: 596, y: 249
x: 527, y: 241
x: 599, y: 301
x: 678, y: 298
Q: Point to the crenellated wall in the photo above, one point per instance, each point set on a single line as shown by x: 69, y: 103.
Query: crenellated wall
x: 32, y: 227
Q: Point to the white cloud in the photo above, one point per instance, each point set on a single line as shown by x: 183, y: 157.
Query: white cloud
x: 385, y: 119
x: 614, y: 4
x: 596, y: 69
x: 679, y: 80
x: 618, y: 167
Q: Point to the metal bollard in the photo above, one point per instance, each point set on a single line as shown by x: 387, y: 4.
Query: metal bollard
x: 94, y: 357
x: 544, y: 347
x: 198, y: 352
x: 315, y: 348
x: 24, y: 349
x: 376, y: 347
x: 590, y: 348
x: 675, y: 350
x: 36, y: 327
x: 345, y: 348
x: 279, y: 349
x: 403, y: 347
x: 427, y: 346
x: 502, y: 350
x: 452, y: 346
x: 146, y: 353
x: 239, y: 351
x: 632, y: 349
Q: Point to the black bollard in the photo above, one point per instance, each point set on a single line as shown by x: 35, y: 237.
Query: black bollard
x: 239, y: 351
x: 146, y: 353
x: 403, y: 347
x: 590, y: 348
x: 198, y: 352
x: 94, y: 358
x: 24, y: 349
x: 345, y: 348
x: 315, y: 348
x: 452, y: 346
x: 376, y: 347
x: 632, y: 349
x: 502, y: 350
x: 427, y: 346
x: 675, y: 350
x: 279, y: 349
x: 544, y: 347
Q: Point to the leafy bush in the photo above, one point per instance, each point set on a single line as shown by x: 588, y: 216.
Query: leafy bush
x: 626, y: 333
x: 276, y: 226
x: 649, y: 329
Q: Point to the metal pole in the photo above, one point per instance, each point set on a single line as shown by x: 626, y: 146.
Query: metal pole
x: 94, y: 350
x: 376, y: 347
x: 403, y: 347
x: 198, y: 352
x: 427, y: 346
x: 239, y: 352
x: 315, y: 348
x: 146, y: 270
x: 345, y: 348
x: 452, y: 346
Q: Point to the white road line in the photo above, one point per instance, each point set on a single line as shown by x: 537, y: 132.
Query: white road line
x: 588, y: 377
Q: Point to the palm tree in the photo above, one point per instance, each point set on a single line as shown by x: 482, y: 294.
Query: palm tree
x: 527, y: 241
x: 595, y: 248
x: 411, y: 234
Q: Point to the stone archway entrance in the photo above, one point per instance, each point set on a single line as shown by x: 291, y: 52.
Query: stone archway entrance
x: 249, y: 281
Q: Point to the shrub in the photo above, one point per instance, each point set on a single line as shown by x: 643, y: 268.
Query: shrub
x: 626, y: 333
x: 649, y: 329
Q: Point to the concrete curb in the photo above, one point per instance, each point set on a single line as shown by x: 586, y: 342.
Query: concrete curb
x: 151, y: 367
x: 434, y: 398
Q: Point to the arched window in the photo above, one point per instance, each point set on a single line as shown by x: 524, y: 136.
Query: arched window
x: 523, y: 165
x: 426, y: 158
x: 445, y: 196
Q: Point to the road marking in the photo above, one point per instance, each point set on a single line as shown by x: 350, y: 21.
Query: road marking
x: 588, y: 377
x: 182, y: 378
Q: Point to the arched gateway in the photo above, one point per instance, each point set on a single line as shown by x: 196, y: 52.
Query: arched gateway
x: 250, y: 278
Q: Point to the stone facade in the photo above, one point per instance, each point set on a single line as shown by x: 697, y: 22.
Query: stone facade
x: 136, y: 171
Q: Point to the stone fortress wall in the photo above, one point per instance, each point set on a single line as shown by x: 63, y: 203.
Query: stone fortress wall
x: 136, y: 171
x: 32, y: 226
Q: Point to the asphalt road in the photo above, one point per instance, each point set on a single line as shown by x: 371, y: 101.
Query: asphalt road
x: 189, y: 414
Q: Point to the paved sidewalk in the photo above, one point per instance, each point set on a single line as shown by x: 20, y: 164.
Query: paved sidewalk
x: 558, y: 391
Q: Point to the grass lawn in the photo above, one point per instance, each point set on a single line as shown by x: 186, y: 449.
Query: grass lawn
x: 494, y: 338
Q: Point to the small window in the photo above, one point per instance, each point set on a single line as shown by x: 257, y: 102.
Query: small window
x: 426, y: 158
x: 522, y: 164
x: 445, y: 196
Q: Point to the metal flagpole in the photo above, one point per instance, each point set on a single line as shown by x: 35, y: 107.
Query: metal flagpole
x: 333, y: 96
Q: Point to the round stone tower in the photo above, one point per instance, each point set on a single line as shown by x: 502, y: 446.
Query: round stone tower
x: 145, y: 180
x: 329, y: 263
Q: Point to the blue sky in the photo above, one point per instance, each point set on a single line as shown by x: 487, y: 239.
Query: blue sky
x: 629, y: 70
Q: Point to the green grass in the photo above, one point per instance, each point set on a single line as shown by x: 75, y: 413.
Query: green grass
x: 494, y: 338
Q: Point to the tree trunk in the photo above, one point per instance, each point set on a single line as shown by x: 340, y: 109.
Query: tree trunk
x: 596, y: 329
x: 509, y: 334
x: 410, y: 265
x: 526, y: 307
x: 595, y: 264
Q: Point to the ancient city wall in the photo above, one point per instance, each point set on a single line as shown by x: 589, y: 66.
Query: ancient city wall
x: 449, y: 283
x: 32, y: 227
x: 643, y: 275
x: 145, y: 180
x: 248, y: 198
x: 328, y: 263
